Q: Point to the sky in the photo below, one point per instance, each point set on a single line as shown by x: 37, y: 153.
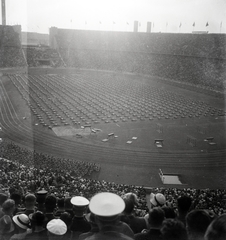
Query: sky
x: 176, y: 16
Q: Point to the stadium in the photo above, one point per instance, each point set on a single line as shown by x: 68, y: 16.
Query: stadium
x: 121, y: 111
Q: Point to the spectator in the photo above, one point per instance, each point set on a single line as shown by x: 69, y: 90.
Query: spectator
x: 155, y: 220
x: 79, y: 222
x: 183, y: 205
x: 60, y: 207
x: 3, y: 198
x: 173, y: 229
x: 56, y: 229
x: 37, y: 225
x: 68, y: 206
x: 197, y: 222
x: 217, y: 229
x: 22, y: 227
x: 169, y: 212
x: 94, y: 227
x: 29, y: 203
x: 8, y: 208
x: 50, y: 206
x: 40, y: 199
x: 107, y: 207
x: 67, y: 219
x: 16, y: 196
x: 6, y: 227
x: 156, y: 200
x: 137, y: 224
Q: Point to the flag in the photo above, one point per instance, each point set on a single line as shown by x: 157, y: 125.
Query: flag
x: 139, y: 24
x: 153, y: 24
x: 127, y: 23
x: 207, y: 24
x: 221, y: 24
x: 99, y: 22
x: 167, y: 24
x: 180, y: 25
x: 193, y: 24
x: 113, y: 22
x: 85, y: 22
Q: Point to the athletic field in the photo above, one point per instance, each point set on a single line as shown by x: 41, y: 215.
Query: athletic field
x: 131, y: 125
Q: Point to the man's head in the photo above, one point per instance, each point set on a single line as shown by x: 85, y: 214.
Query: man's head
x: 50, y: 203
x: 197, y: 222
x: 216, y: 229
x: 129, y: 206
x: 106, y: 207
x: 37, y: 218
x: 156, y: 217
x: 184, y: 204
x: 8, y: 207
x: 30, y: 201
x: 79, y: 205
x: 173, y: 229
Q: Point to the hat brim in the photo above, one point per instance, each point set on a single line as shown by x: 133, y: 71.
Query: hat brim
x: 80, y: 201
x: 152, y: 199
x: 15, y: 219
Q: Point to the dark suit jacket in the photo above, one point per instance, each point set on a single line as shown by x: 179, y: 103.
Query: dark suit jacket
x: 137, y: 224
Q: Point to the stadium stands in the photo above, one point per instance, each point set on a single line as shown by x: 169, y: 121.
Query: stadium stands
x: 188, y: 58
x: 42, y: 56
x: 11, y: 54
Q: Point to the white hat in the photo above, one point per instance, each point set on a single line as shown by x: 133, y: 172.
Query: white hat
x: 157, y: 199
x: 106, y: 204
x: 57, y: 227
x: 79, y: 201
x: 22, y: 221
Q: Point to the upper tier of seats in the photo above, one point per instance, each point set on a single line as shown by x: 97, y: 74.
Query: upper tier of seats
x: 200, y: 45
x: 11, y: 54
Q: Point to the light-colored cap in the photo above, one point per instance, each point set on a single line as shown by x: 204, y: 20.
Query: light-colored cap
x: 79, y: 201
x: 57, y: 227
x: 106, y: 204
x: 157, y: 199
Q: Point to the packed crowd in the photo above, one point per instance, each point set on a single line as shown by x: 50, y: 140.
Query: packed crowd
x: 41, y: 199
x: 31, y: 171
x: 187, y: 70
x: 107, y: 213
x: 9, y: 150
x: 10, y: 48
x: 36, y: 54
x: 194, y: 59
x: 199, y: 45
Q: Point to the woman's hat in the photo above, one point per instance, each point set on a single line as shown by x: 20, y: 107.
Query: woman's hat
x: 157, y: 200
x: 22, y: 221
